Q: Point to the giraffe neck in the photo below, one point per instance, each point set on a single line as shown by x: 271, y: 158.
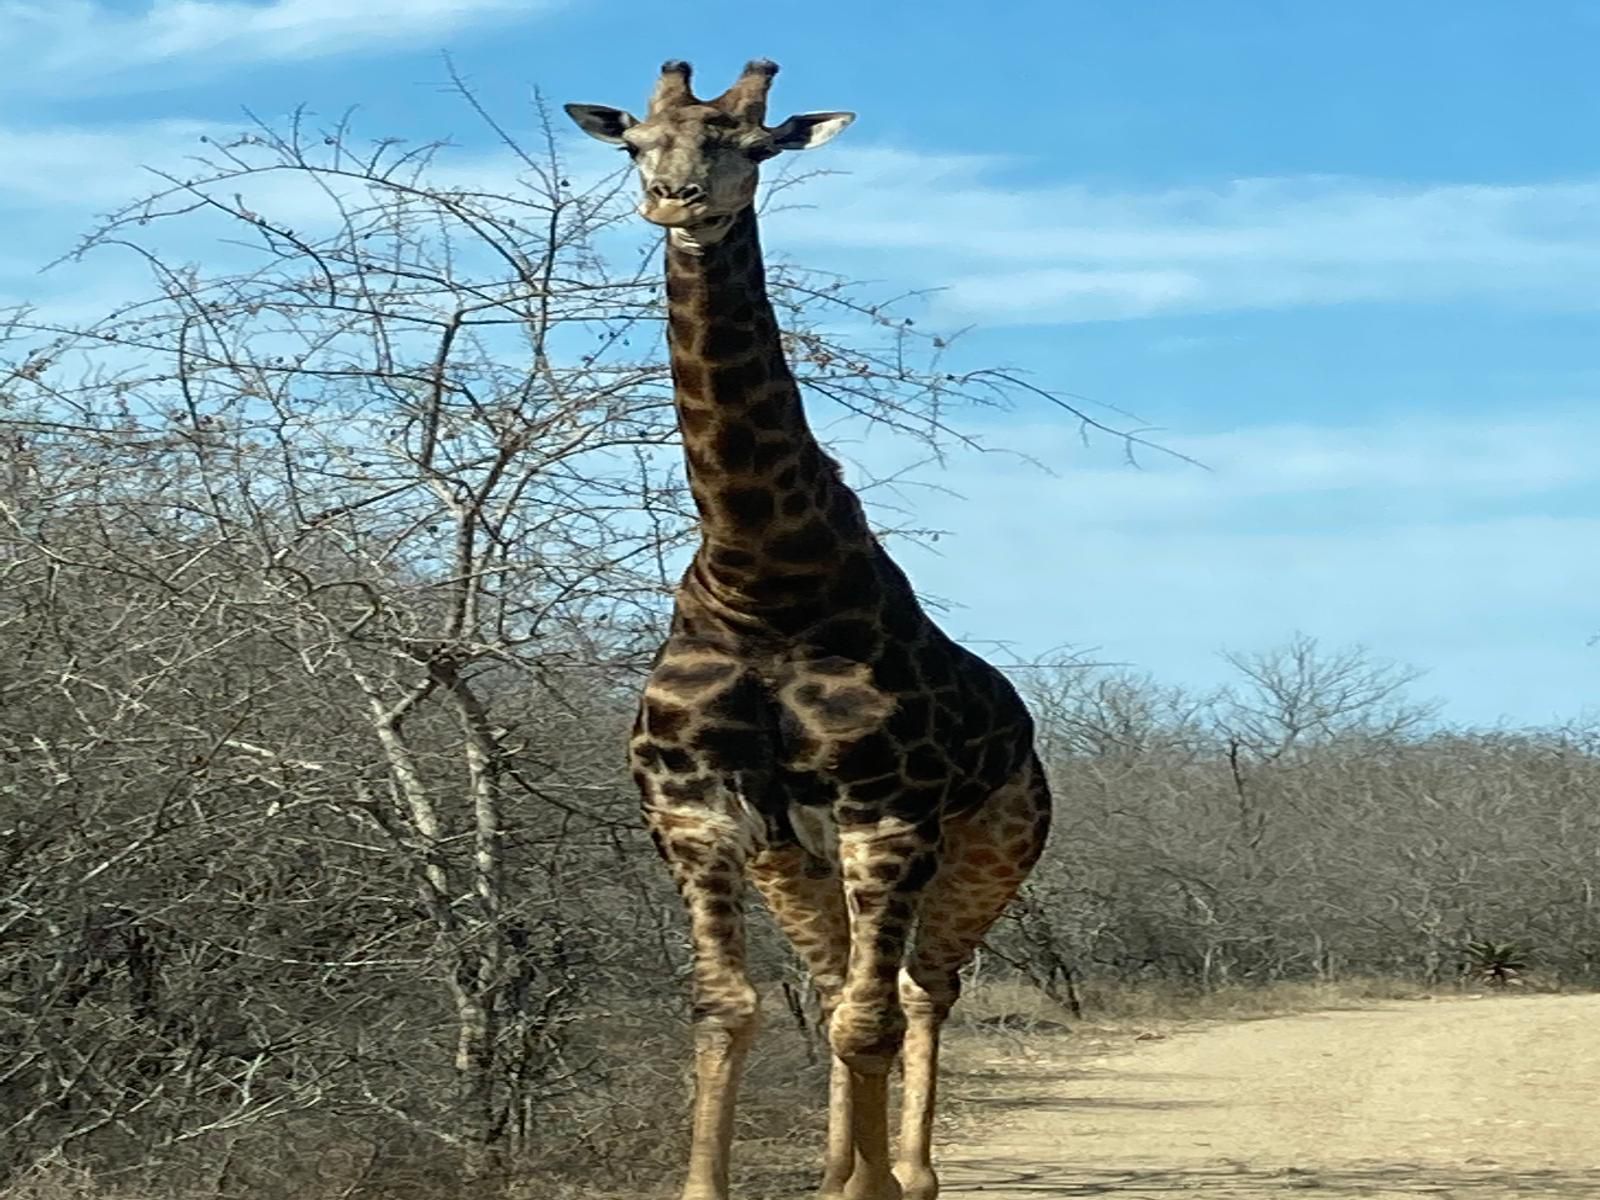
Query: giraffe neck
x: 772, y: 505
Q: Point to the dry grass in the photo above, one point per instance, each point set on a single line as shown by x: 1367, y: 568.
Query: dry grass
x: 638, y: 1151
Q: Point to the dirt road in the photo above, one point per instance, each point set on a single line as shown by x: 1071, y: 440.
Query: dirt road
x: 1476, y: 1098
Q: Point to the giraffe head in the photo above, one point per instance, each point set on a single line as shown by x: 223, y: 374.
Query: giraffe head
x: 699, y: 159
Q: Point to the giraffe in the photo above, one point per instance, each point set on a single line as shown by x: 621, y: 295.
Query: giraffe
x: 806, y: 728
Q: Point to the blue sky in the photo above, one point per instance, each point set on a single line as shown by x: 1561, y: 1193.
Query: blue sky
x: 1348, y: 255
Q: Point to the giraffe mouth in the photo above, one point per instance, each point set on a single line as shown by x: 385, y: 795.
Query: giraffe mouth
x: 679, y: 214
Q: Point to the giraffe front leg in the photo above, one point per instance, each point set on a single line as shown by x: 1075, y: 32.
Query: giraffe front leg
x: 884, y: 864
x: 706, y: 858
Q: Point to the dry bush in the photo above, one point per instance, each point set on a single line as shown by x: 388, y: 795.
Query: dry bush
x: 1310, y: 824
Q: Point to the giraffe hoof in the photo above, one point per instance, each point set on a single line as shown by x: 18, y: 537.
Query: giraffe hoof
x: 917, y: 1183
x: 887, y: 1188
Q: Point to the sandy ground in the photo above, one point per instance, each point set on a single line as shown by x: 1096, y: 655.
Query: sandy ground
x: 1472, y: 1098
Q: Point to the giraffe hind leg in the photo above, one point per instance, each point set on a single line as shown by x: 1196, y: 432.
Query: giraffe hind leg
x: 807, y: 901
x: 885, y: 865
x: 986, y: 858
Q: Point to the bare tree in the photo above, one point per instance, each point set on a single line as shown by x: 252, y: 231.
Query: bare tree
x: 329, y: 565
x: 1297, y: 693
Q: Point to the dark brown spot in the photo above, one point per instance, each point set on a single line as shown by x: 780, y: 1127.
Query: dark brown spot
x: 766, y: 413
x: 665, y: 720
x: 935, y: 667
x: 911, y: 718
x: 812, y: 542
x: 675, y: 760
x: 724, y: 340
x: 855, y: 586
x: 829, y: 666
x: 869, y: 757
x: 692, y: 674
x: 843, y: 510
x: 735, y: 447
x: 770, y: 454
x: 850, y: 638
x: 904, y: 621
x: 741, y: 703
x: 925, y: 764
x: 732, y: 382
x: 778, y: 586
x: 916, y: 801
x: 681, y: 850
x: 688, y: 791
x: 693, y: 419
x: 918, y: 873
x: 749, y: 508
x: 874, y: 791
x: 844, y: 707
x: 691, y: 377
x: 889, y: 943
x: 732, y: 749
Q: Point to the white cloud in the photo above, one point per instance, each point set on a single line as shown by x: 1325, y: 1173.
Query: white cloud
x: 90, y: 168
x: 60, y: 180
x: 1048, y: 253
x: 83, y: 40
x: 1466, y: 550
x: 1421, y: 463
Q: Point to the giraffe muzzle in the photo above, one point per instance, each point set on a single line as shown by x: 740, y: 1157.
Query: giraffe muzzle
x: 675, y: 212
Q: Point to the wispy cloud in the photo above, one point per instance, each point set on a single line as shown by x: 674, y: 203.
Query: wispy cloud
x: 1468, y: 550
x: 1061, y: 253
x: 84, y: 41
x: 62, y: 179
x: 87, y: 168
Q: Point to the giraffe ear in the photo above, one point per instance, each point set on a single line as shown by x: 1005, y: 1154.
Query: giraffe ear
x: 807, y: 131
x: 601, y: 123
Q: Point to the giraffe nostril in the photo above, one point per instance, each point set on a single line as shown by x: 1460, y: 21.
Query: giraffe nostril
x: 691, y: 192
x: 660, y: 191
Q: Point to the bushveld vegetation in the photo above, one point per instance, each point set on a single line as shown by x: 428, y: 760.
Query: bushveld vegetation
x: 326, y: 576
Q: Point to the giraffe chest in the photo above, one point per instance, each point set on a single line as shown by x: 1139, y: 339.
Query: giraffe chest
x: 824, y: 707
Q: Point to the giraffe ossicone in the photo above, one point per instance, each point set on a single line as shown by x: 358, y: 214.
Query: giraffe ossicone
x: 806, y: 727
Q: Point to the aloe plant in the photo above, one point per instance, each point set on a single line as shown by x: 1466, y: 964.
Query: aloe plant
x: 1496, y: 963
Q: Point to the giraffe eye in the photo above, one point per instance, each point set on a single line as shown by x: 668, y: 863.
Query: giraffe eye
x: 761, y: 151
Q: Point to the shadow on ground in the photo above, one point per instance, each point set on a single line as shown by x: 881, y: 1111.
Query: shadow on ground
x: 981, y: 1178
